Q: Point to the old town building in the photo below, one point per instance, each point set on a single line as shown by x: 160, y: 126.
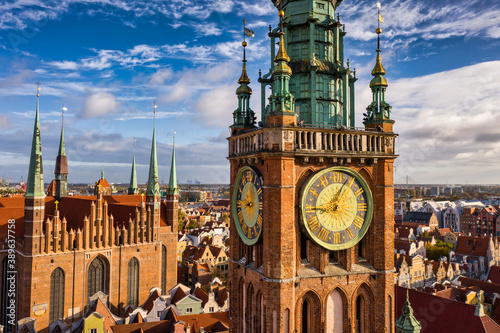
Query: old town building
x: 70, y: 248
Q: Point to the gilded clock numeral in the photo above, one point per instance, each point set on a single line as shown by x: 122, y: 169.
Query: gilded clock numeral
x: 259, y: 191
x: 314, y: 223
x: 313, y: 192
x: 244, y: 228
x: 336, y: 177
x: 324, y: 181
x: 260, y: 205
x: 310, y: 209
x: 249, y: 176
x: 358, y: 192
x: 240, y: 203
x: 350, y: 182
x: 323, y: 234
x: 259, y: 220
x: 240, y: 216
x: 336, y: 238
x: 349, y: 233
x: 358, y: 221
x: 362, y: 207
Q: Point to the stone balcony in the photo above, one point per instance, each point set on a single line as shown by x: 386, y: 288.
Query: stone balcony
x: 314, y: 142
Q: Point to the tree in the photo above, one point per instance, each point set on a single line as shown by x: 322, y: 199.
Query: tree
x: 181, y: 215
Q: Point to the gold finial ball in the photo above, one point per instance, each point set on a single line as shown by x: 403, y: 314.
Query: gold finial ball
x: 244, y: 44
x: 281, y: 13
x: 378, y: 31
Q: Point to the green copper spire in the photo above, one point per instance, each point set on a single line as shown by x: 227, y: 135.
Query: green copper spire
x: 102, y: 173
x: 172, y: 184
x: 244, y: 116
x: 322, y: 84
x: 379, y: 110
x: 35, y: 186
x: 153, y: 184
x: 281, y: 100
x: 407, y: 323
x: 61, y: 168
x: 62, y: 147
x: 133, y: 189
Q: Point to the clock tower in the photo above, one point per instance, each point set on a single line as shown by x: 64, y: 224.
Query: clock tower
x: 312, y: 195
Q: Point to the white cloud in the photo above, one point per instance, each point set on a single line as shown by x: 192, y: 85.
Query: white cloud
x: 66, y: 65
x: 447, y: 122
x: 215, y: 107
x: 161, y: 75
x: 99, y: 104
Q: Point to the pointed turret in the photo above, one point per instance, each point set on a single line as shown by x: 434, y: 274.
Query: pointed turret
x: 244, y: 116
x: 407, y: 323
x: 34, y: 200
x: 102, y: 173
x: 153, y: 184
x: 61, y: 169
x: 379, y: 111
x: 133, y: 189
x: 172, y: 184
x: 281, y: 108
x: 35, y: 186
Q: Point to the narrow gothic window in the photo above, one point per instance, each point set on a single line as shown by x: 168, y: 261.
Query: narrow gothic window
x: 133, y: 282
x: 359, y: 314
x: 163, y: 269
x: 95, y: 280
x: 305, y: 316
x: 56, y: 295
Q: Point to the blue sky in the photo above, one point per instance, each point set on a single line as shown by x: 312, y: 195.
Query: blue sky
x: 106, y: 61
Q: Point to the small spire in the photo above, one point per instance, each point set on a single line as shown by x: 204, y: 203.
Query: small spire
x: 407, y: 322
x: 35, y: 186
x: 133, y: 189
x: 102, y: 173
x: 153, y: 184
x: 172, y: 184
x: 62, y: 146
x: 282, y: 57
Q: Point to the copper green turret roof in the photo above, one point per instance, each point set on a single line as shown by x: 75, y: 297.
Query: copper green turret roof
x: 172, y: 184
x: 133, y: 189
x: 35, y: 185
x: 153, y: 184
x: 62, y: 146
x: 407, y: 323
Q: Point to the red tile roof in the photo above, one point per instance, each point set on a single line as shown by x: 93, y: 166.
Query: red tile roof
x: 473, y: 246
x: 438, y: 315
x: 211, y: 322
x: 494, y: 275
x: 163, y: 326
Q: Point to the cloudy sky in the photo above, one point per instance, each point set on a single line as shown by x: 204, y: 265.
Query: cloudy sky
x: 107, y: 61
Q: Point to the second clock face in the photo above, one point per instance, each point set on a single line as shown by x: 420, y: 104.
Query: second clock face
x: 247, y: 205
x: 336, y: 208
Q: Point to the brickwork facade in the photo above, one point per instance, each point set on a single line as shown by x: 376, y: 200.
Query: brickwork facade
x: 99, y: 235
x: 272, y: 279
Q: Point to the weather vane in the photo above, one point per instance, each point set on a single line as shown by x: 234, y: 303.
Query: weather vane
x: 380, y: 20
x: 62, y: 113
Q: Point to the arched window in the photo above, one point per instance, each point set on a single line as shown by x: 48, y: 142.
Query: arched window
x: 95, y: 280
x: 360, y: 315
x: 335, y: 313
x: 133, y: 282
x: 305, y: 317
x: 163, y: 269
x: 56, y: 295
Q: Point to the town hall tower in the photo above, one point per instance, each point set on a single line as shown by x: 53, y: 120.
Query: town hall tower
x: 312, y: 195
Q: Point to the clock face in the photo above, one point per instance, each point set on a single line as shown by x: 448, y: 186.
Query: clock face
x: 246, y: 205
x: 336, y: 208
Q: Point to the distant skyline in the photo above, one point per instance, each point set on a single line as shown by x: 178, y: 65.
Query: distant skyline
x: 107, y: 61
